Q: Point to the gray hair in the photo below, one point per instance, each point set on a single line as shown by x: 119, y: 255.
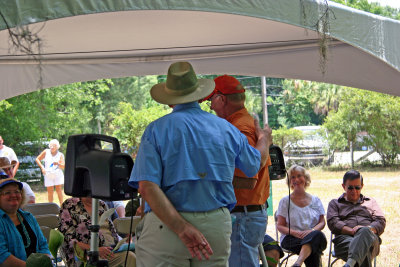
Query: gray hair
x: 54, y: 142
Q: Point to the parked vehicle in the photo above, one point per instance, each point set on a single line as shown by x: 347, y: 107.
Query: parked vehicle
x: 311, y: 149
x: 27, y: 152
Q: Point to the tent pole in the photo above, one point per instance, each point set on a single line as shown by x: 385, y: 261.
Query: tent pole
x: 264, y: 99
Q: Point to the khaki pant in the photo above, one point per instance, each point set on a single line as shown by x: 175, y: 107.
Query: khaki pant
x: 158, y: 246
x: 119, y: 259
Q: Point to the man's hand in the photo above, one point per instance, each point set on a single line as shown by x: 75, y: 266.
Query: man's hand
x: 191, y: 237
x: 356, y: 228
x: 195, y: 241
x: 263, y: 133
x: 264, y: 141
x: 106, y: 253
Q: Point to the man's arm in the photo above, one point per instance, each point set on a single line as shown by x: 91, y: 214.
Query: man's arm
x: 166, y: 212
x: 379, y: 222
x: 13, y: 261
x: 264, y: 141
x: 15, y: 169
x: 334, y: 223
x: 119, y: 208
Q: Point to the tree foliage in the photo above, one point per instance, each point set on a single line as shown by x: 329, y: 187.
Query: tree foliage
x: 373, y: 7
x: 283, y: 135
x: 128, y: 124
x: 374, y: 113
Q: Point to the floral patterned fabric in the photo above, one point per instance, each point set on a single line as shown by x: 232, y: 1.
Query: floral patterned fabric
x: 74, y: 222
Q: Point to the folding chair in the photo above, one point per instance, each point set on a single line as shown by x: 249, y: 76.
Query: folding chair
x: 46, y: 232
x: 49, y: 220
x: 42, y: 208
x: 332, y: 253
x: 288, y: 253
x: 123, y: 225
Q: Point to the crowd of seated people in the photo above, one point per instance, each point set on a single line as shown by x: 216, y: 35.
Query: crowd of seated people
x: 301, y: 211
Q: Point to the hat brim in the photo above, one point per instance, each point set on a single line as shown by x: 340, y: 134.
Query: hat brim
x: 159, y: 93
x: 11, y: 180
x: 8, y: 166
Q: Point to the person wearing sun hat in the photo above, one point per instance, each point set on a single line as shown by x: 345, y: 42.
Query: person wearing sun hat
x: 20, y: 234
x: 7, y: 172
x: 251, y: 192
x: 9, y: 153
x: 184, y: 169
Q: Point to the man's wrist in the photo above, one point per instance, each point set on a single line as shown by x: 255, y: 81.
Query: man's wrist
x: 372, y: 229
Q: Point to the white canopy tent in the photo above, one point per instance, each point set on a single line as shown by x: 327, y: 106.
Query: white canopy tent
x: 87, y: 40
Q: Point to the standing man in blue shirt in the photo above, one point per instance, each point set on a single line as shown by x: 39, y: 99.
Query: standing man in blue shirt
x: 184, y: 171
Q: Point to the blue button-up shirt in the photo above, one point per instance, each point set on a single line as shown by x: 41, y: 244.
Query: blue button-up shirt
x: 191, y: 154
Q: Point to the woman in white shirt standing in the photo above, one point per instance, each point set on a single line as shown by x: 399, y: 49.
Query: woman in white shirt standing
x: 304, y: 214
x: 54, y: 163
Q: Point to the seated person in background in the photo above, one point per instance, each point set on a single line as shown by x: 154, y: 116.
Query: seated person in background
x: 119, y: 209
x: 306, y: 221
x: 357, y: 222
x: 132, y: 206
x: 273, y: 251
x: 30, y: 196
x: 75, y: 217
x: 20, y: 234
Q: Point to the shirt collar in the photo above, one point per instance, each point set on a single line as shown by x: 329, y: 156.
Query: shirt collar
x: 360, y: 200
x: 237, y: 114
x: 186, y: 106
x: 2, y: 212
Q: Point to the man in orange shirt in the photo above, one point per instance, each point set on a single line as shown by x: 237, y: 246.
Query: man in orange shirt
x: 250, y: 223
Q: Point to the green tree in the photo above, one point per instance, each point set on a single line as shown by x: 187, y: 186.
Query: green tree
x: 283, y: 135
x: 295, y: 105
x: 372, y: 7
x: 53, y: 113
x: 375, y: 113
x: 381, y: 120
x: 128, y: 124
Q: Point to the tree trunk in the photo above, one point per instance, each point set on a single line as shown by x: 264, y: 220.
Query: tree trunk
x: 352, y: 154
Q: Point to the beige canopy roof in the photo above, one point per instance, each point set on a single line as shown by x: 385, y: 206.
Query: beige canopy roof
x: 87, y: 40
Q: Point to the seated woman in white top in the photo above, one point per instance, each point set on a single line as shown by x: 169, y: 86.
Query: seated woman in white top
x: 304, y: 214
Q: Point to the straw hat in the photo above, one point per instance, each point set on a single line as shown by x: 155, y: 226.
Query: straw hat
x: 182, y: 86
x: 5, y: 163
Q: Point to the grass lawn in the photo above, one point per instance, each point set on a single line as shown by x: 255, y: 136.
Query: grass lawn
x: 382, y: 185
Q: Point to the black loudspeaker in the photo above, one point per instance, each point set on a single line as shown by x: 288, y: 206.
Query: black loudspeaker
x: 277, y: 170
x: 95, y: 167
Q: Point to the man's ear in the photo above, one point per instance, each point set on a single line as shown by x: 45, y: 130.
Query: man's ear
x: 344, y: 187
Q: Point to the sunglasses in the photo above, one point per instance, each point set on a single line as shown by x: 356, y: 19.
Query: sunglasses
x: 357, y: 187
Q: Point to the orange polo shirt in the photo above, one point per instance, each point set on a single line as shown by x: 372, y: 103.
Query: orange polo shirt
x: 259, y: 195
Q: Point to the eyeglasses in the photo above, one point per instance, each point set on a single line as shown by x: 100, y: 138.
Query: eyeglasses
x: 357, y: 187
x: 9, y: 193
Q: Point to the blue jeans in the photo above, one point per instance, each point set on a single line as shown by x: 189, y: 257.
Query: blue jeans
x: 248, y: 230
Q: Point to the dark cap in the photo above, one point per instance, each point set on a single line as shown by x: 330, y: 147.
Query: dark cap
x: 7, y: 181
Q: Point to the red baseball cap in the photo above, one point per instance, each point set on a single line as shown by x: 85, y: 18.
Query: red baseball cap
x: 226, y: 85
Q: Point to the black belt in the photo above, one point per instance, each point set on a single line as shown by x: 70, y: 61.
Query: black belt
x: 249, y: 208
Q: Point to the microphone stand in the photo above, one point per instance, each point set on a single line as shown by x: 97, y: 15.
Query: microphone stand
x: 94, y: 237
